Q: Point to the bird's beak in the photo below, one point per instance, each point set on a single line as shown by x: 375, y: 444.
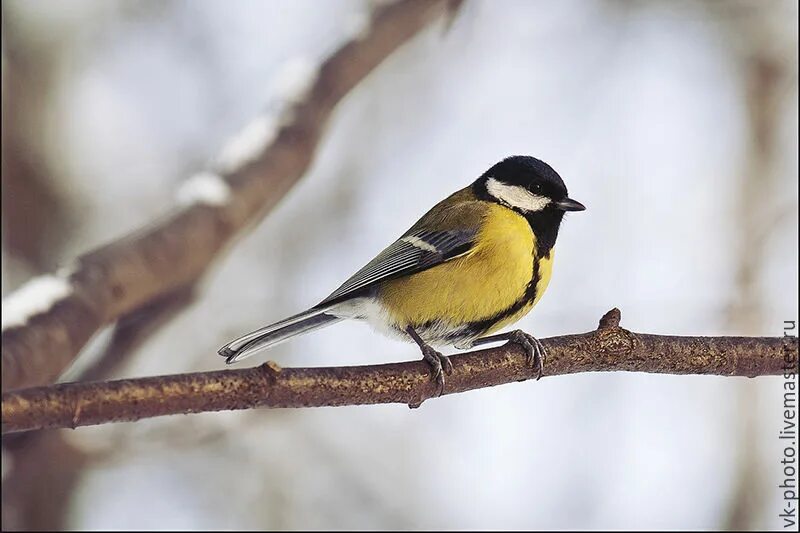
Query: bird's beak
x: 568, y: 204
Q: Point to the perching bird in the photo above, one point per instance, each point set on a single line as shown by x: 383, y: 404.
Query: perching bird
x: 475, y: 263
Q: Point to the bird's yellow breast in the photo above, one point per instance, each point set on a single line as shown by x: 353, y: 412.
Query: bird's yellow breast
x: 491, y: 278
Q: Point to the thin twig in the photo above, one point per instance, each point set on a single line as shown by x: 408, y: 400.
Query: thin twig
x: 114, y: 280
x: 608, y: 348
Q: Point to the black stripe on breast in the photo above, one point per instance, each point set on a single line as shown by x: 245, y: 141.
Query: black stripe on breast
x: 480, y: 327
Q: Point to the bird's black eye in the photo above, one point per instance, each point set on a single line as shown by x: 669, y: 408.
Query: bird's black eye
x: 536, y: 187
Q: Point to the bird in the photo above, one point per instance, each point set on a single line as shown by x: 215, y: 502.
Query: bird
x: 475, y: 263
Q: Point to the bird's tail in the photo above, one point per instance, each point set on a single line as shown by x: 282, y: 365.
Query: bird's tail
x: 273, y: 334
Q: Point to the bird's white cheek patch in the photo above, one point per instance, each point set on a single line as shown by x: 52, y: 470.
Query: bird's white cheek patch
x: 516, y: 196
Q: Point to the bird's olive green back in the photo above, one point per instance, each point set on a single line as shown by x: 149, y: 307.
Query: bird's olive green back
x: 460, y: 210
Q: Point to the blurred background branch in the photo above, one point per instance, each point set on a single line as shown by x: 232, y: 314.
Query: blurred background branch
x: 766, y: 79
x: 35, y: 218
x: 257, y: 170
x: 609, y: 348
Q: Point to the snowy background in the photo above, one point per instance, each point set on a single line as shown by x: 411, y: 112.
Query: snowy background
x: 675, y: 123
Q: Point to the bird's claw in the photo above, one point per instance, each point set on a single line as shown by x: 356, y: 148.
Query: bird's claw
x: 440, y: 365
x: 535, y: 351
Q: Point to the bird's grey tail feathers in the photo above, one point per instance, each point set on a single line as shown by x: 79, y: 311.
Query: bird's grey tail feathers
x: 278, y: 332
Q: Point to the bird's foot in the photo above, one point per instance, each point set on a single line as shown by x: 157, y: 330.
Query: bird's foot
x: 536, y: 352
x: 534, y: 349
x: 440, y: 365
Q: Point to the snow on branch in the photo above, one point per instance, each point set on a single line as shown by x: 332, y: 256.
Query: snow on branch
x: 37, y: 295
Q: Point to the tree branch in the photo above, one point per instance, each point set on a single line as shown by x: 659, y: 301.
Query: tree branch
x: 274, y: 153
x: 608, y: 348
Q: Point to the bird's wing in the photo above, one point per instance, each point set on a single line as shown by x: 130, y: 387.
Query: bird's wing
x: 413, y: 252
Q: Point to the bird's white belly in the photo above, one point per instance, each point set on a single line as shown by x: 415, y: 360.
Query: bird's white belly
x: 371, y: 311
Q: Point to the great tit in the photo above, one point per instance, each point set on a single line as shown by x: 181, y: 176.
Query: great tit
x: 478, y: 261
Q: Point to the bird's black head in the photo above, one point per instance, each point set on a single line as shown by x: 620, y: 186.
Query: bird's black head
x: 532, y: 188
x: 525, y: 184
